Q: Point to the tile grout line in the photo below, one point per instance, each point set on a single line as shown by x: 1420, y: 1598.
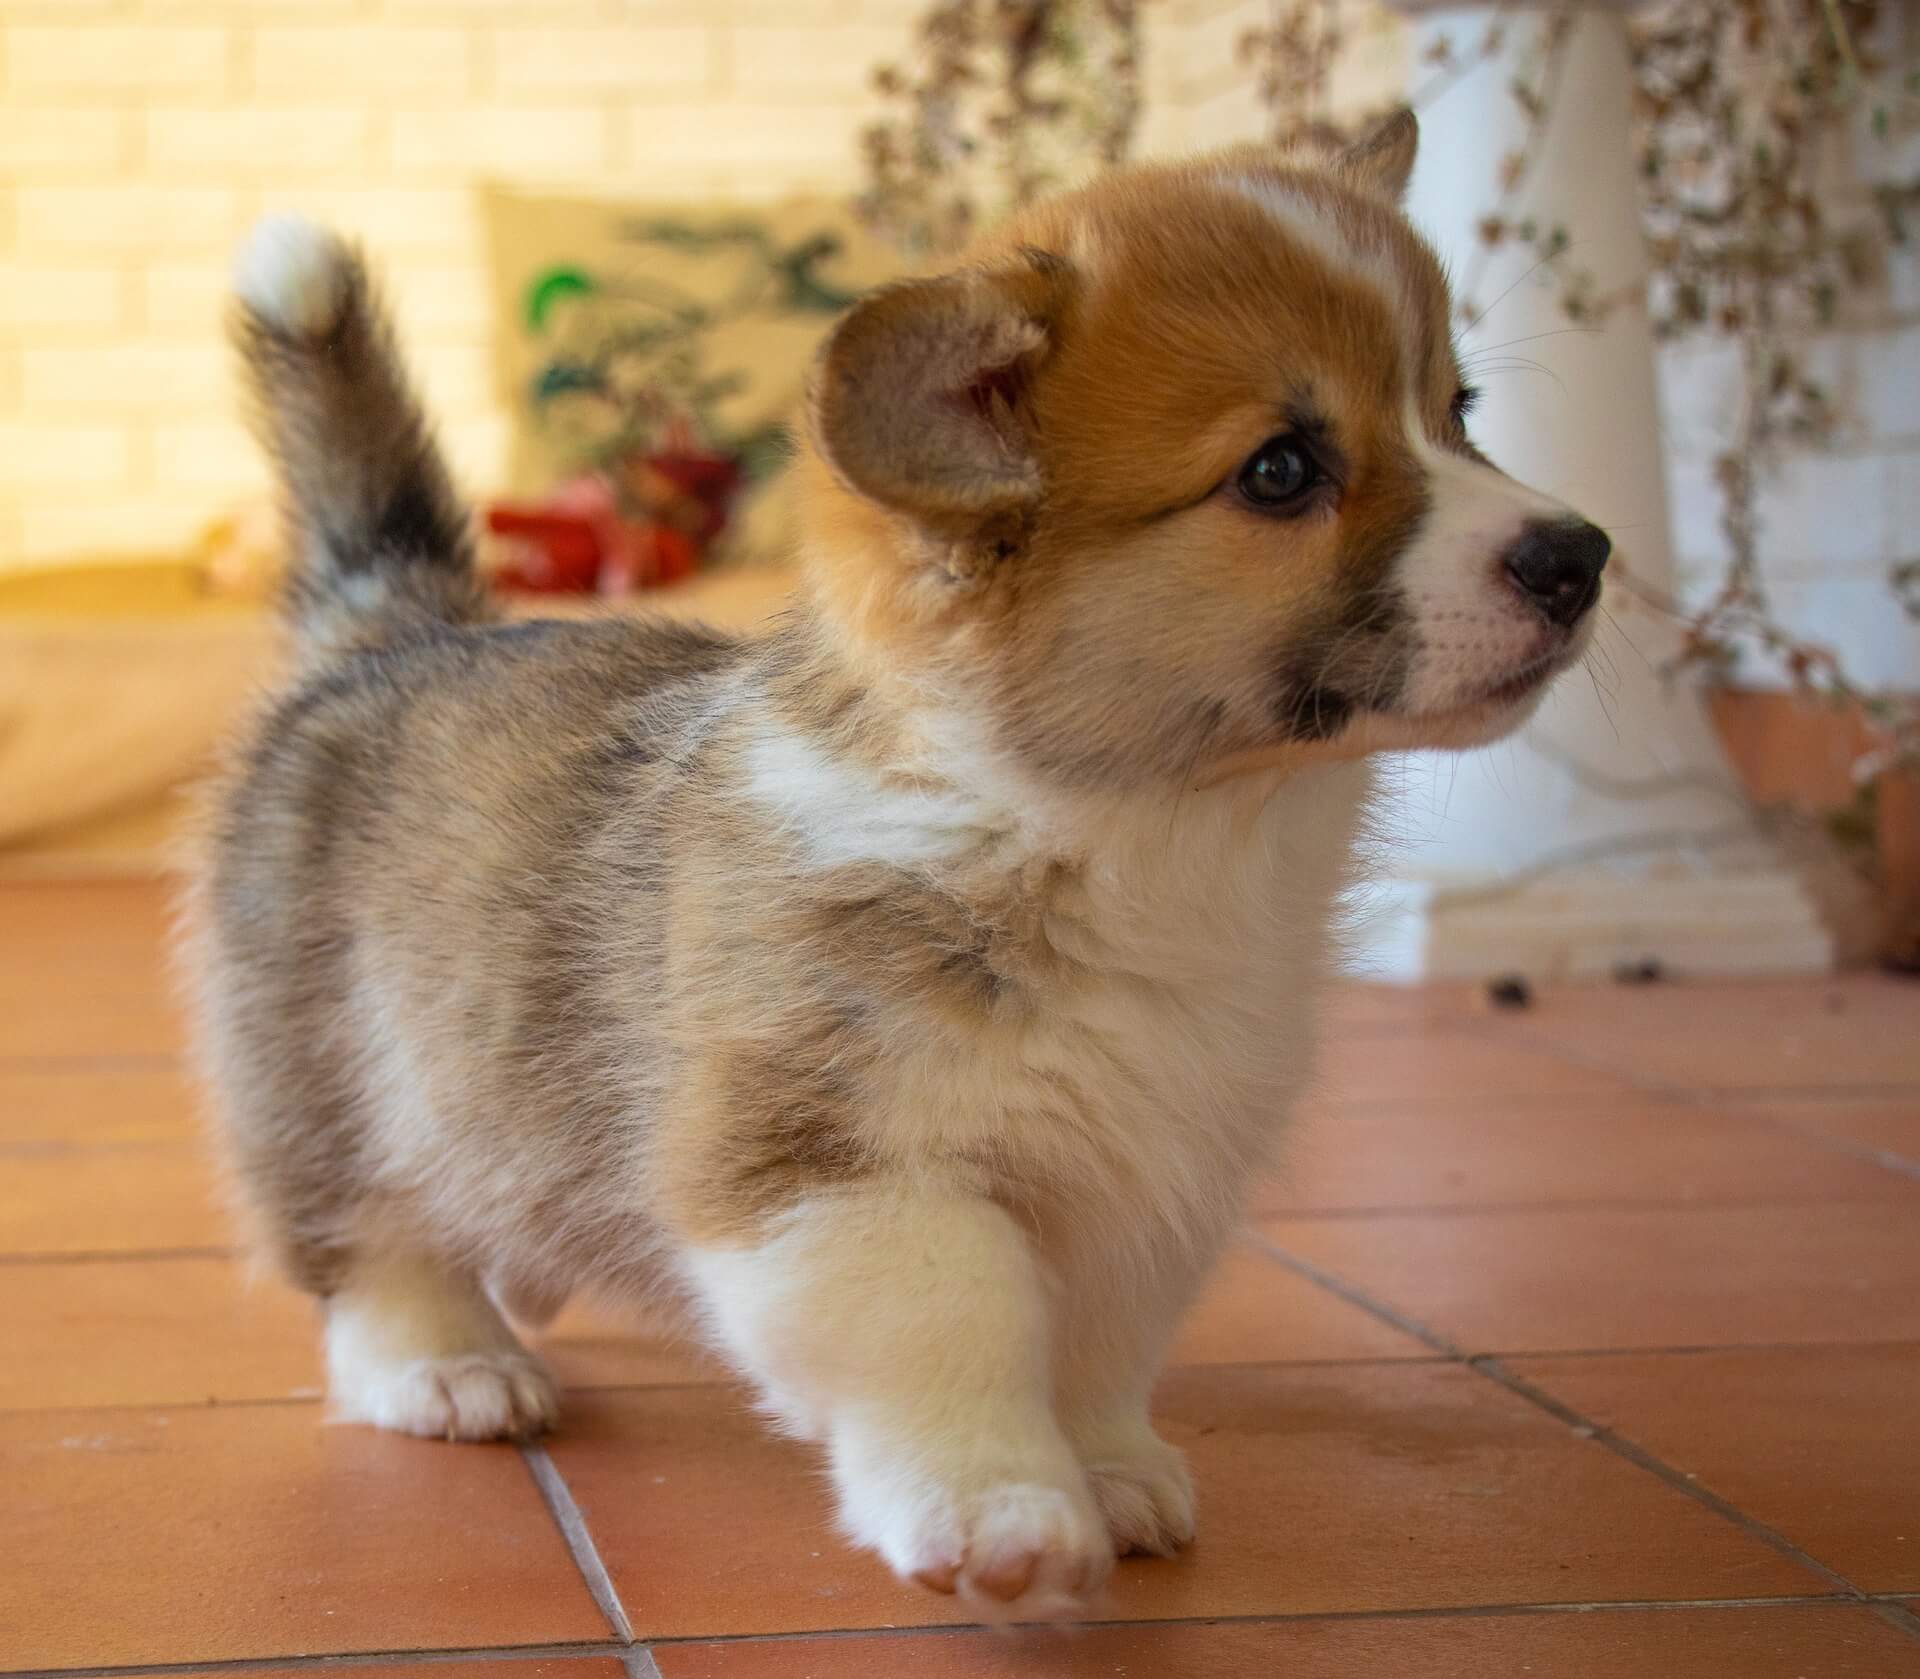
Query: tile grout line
x: 1633, y: 1452
x: 1594, y: 1204
x: 1533, y: 1036
x: 1490, y: 1367
x: 1587, y: 1061
x: 1344, y: 1290
x: 1741, y: 1104
x: 59, y: 1147
x: 1737, y: 1098
x: 1898, y: 1615
x: 1885, y: 1090
x: 558, y: 1497
x: 80, y: 1065
x: 1699, y: 1349
x: 639, y: 1661
x: 313, y: 1396
x: 335, y: 1662
x: 1453, y: 1612
x: 115, y: 1256
x: 1891, y: 1159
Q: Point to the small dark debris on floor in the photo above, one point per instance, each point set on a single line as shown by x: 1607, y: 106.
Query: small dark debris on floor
x: 1510, y: 991
x: 1904, y: 961
x: 1648, y: 970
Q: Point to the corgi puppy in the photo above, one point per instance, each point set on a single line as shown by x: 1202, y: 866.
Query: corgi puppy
x: 914, y: 989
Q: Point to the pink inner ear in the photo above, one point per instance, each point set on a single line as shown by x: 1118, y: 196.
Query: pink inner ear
x: 994, y: 390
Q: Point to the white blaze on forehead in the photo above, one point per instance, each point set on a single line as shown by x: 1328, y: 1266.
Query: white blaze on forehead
x: 1470, y: 498
x: 1318, y: 228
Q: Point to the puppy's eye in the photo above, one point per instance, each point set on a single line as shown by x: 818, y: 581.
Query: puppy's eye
x: 1465, y: 400
x: 1278, y: 474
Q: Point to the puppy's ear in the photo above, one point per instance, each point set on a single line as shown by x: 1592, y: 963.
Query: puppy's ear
x: 1383, y: 162
x: 918, y: 398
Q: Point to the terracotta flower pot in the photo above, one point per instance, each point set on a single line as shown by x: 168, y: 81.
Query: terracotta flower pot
x: 1802, y: 752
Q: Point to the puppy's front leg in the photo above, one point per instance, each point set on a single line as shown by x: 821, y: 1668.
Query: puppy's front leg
x: 1120, y: 1318
x: 908, y: 1328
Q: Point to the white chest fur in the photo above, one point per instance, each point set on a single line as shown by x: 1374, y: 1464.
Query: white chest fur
x: 1157, y: 1063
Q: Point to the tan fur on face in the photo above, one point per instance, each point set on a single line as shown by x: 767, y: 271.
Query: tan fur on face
x: 1131, y: 625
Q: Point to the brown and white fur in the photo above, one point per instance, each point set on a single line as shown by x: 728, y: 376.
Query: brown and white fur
x: 915, y: 988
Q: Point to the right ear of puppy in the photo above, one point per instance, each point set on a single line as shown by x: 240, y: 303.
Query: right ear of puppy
x: 1383, y: 161
x: 919, y: 396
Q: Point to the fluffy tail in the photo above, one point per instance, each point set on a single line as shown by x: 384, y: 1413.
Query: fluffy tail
x: 379, y: 542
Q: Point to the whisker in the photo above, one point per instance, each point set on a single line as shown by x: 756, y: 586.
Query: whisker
x: 1507, y: 364
x: 1536, y: 337
x: 1609, y: 678
x: 1597, y: 649
x: 1473, y: 324
x: 1478, y: 372
x: 1600, y: 696
x: 1614, y: 623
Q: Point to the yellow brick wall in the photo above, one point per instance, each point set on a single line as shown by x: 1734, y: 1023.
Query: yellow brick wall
x: 139, y: 138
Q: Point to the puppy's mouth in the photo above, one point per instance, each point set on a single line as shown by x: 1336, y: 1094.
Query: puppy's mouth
x: 1523, y: 684
x: 1323, y: 713
x: 1491, y: 710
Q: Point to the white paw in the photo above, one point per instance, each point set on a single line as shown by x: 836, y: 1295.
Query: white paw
x: 1144, y: 1492
x: 464, y: 1396
x: 1015, y: 1550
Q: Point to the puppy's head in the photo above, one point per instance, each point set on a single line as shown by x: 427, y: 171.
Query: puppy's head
x: 1174, y: 478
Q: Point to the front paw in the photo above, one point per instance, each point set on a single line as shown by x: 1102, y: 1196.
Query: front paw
x: 1143, y: 1489
x: 1014, y: 1548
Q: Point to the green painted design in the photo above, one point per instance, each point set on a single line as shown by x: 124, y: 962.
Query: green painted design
x: 637, y: 354
x: 549, y: 288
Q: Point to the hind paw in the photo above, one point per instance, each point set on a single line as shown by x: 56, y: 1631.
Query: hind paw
x: 467, y: 1396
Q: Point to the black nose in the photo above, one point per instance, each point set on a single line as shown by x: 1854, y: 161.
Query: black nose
x: 1558, y: 567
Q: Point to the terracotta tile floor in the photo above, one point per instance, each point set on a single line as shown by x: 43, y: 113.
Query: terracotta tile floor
x: 1582, y: 1342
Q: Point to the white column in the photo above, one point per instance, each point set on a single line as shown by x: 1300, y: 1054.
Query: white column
x: 1610, y: 829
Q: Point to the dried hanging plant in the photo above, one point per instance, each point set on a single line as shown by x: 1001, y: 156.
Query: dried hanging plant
x: 1742, y: 108
x: 1533, y: 87
x: 1739, y: 104
x: 1293, y: 59
x: 1738, y: 101
x: 1006, y: 100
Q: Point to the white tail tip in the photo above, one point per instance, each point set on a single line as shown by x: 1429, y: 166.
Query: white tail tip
x: 293, y: 275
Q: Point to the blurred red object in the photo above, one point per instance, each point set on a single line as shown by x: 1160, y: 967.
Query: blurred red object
x: 691, y: 491
x: 578, y: 541
x: 554, y: 553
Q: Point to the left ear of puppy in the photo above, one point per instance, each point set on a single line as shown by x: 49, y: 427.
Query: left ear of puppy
x: 1383, y: 162
x: 918, y: 400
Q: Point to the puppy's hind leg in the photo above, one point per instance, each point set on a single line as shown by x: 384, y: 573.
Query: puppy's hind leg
x: 416, y: 1346
x: 908, y: 1327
